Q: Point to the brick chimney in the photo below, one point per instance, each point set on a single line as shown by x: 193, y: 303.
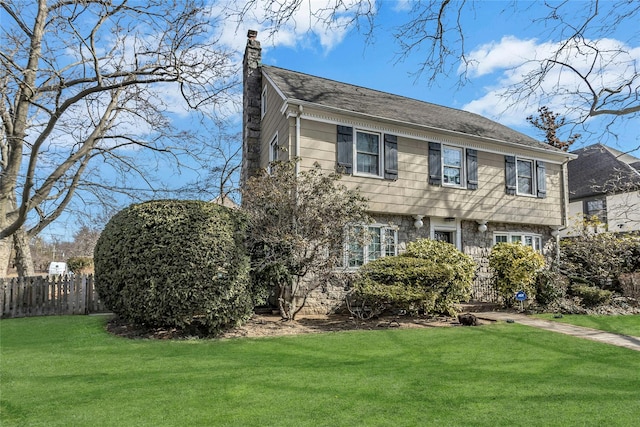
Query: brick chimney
x: 251, y: 106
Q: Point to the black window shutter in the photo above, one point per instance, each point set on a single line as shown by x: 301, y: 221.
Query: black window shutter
x: 472, y: 169
x: 345, y: 149
x: 435, y: 164
x: 390, y: 157
x: 510, y: 174
x: 541, y: 174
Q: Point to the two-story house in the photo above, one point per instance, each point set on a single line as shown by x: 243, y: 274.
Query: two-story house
x: 605, y: 183
x: 427, y: 170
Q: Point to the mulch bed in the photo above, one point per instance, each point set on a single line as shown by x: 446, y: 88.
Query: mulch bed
x: 267, y: 325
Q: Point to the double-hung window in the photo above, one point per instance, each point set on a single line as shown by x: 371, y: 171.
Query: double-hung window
x: 451, y: 166
x: 367, y: 153
x: 532, y: 240
x: 597, y: 208
x: 274, y: 149
x: 368, y: 243
x: 525, y: 177
x: 263, y: 102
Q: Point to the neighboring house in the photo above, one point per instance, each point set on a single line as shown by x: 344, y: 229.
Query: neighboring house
x: 427, y: 170
x: 605, y: 183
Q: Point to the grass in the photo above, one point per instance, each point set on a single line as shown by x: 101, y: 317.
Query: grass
x: 67, y: 371
x: 626, y: 325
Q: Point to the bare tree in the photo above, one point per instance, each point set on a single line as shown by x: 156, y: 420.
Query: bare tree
x: 86, y: 86
x: 594, y: 77
x: 550, y: 123
x: 219, y: 178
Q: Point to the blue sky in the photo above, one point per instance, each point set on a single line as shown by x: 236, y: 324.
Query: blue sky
x: 499, y: 38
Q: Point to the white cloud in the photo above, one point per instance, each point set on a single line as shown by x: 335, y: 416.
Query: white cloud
x: 315, y: 18
x: 403, y: 5
x: 507, y: 64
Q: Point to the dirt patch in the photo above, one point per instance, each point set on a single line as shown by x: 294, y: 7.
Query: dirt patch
x: 267, y: 326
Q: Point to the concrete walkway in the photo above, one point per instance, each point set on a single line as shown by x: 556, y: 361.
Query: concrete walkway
x: 627, y: 341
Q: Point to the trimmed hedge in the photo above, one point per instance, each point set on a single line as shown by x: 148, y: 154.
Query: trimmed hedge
x: 400, y: 283
x: 462, y: 266
x: 430, y: 277
x: 175, y: 263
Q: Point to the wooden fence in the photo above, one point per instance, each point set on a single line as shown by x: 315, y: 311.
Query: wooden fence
x: 44, y: 296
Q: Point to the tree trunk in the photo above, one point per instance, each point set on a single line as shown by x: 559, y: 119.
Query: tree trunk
x: 23, y: 260
x: 5, y: 255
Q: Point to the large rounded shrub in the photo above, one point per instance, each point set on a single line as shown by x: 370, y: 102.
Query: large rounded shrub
x: 400, y: 283
x: 175, y: 263
x: 462, y: 268
x: 430, y: 276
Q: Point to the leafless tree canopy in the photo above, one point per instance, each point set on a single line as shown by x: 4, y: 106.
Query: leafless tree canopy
x: 88, y: 85
x: 595, y: 74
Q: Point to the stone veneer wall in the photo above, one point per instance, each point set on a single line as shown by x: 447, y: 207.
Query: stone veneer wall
x: 478, y: 246
x: 329, y: 296
x: 252, y: 104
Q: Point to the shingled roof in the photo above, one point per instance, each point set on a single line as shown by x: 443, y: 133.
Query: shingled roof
x: 329, y: 93
x: 599, y: 169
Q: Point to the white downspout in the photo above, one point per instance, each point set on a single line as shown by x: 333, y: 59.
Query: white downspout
x: 297, y: 143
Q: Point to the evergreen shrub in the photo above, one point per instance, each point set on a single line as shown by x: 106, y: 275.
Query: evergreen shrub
x: 462, y: 266
x: 400, y: 284
x: 515, y: 267
x: 430, y: 277
x: 600, y: 258
x: 551, y: 286
x: 80, y: 265
x: 591, y: 296
x: 175, y: 263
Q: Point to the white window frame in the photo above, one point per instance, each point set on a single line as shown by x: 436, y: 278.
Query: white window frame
x: 388, y: 246
x: 528, y: 239
x: 274, y: 148
x: 600, y: 212
x: 534, y: 177
x: 380, y: 154
x: 263, y: 102
x: 444, y: 165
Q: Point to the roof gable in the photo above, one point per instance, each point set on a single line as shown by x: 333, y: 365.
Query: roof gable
x: 599, y: 169
x: 346, y: 97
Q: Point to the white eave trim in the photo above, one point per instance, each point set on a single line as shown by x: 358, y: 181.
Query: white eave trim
x: 291, y: 101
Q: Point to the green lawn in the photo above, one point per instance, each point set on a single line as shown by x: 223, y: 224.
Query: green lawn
x: 67, y: 371
x: 626, y: 325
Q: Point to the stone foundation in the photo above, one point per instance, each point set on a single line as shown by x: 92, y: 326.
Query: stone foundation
x: 329, y: 297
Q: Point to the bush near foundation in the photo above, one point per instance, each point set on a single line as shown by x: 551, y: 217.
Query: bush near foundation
x: 400, y: 284
x: 600, y: 258
x: 551, y: 286
x: 515, y: 267
x: 591, y: 296
x: 177, y: 264
x: 430, y: 277
x: 462, y: 266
